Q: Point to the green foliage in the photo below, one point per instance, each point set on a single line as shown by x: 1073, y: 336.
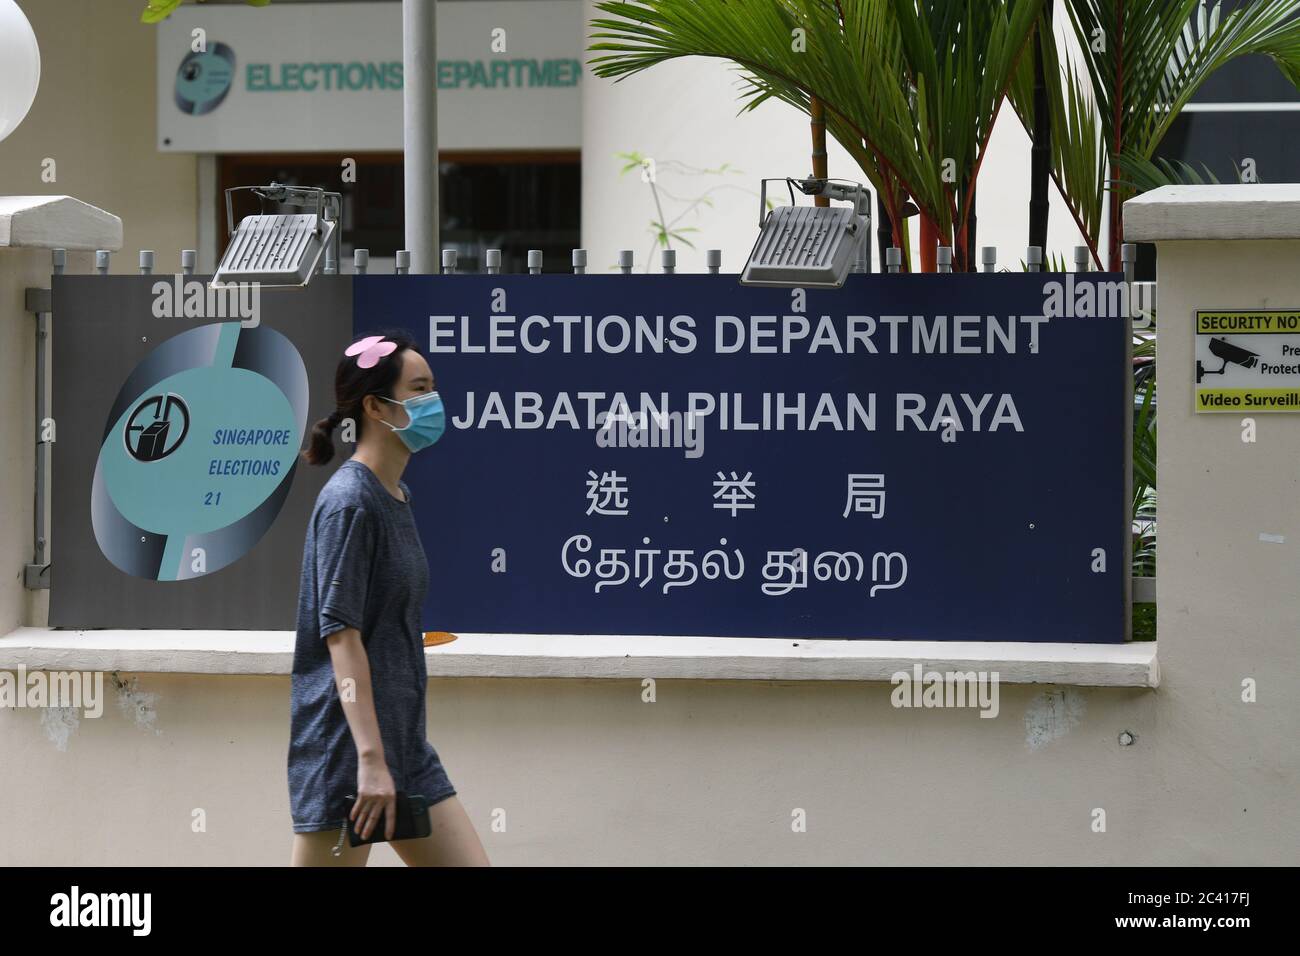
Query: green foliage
x: 1142, y: 63
x: 1144, y: 444
x: 1144, y: 622
x: 1141, y: 175
x: 911, y: 90
x: 159, y: 10
x: 912, y: 87
x: 1052, y: 262
x: 1144, y: 457
x: 666, y: 230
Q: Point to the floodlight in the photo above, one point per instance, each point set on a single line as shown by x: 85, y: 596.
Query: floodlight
x: 277, y: 250
x: 811, y: 246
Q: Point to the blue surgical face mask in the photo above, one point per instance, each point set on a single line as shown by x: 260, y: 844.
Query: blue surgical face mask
x: 427, y: 420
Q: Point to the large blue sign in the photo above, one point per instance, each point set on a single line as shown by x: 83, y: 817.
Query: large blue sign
x: 934, y: 457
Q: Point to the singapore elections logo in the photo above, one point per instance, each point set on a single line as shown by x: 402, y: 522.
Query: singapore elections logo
x: 156, y: 427
x: 204, y: 78
x: 198, y: 451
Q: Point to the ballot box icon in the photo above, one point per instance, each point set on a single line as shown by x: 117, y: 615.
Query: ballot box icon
x: 153, y: 441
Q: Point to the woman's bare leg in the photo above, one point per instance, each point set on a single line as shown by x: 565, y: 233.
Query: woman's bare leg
x: 452, y: 840
x: 317, y: 849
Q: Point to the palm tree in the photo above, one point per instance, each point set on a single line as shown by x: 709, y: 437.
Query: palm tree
x: 1141, y: 62
x: 910, y: 88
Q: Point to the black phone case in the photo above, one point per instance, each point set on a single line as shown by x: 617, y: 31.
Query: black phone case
x: 412, y: 821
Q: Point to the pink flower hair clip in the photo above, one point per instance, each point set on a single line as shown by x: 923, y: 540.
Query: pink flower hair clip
x: 370, y: 350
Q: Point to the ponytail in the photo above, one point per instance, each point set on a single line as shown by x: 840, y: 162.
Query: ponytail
x: 321, y: 449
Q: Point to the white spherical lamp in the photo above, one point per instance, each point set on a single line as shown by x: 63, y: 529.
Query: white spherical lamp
x: 20, y: 66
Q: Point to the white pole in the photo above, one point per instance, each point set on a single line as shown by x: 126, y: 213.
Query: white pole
x: 420, y: 132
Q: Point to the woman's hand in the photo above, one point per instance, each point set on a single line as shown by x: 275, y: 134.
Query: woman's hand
x: 376, y: 797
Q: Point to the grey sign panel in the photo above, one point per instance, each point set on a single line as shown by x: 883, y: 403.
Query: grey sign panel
x: 179, y: 499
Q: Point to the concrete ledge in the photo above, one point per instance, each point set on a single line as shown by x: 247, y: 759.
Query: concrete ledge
x: 1234, y: 211
x: 597, y: 656
x: 56, y: 222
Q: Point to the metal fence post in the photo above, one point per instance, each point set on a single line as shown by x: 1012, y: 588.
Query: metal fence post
x: 579, y: 262
x: 894, y: 259
x: 403, y: 262
x: 36, y: 575
x: 989, y: 258
x: 360, y: 261
x: 713, y: 258
x: 449, y: 258
x: 534, y: 262
x: 625, y: 261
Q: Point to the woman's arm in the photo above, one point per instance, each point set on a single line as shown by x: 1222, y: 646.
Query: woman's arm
x: 376, y: 794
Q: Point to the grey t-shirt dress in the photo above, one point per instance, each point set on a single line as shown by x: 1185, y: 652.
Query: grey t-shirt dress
x: 363, y: 566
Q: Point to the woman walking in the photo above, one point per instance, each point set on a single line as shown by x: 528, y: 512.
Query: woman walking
x: 357, y: 724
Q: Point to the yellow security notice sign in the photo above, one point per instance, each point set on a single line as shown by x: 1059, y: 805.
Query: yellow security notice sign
x: 1248, y: 361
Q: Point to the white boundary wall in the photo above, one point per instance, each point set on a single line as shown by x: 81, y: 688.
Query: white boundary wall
x: 717, y: 769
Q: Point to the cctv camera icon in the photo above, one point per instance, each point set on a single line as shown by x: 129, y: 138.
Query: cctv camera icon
x: 1222, y: 348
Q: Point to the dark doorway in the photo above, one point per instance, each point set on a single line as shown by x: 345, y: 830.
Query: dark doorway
x: 513, y: 201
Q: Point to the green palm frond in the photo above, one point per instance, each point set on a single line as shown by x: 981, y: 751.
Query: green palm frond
x: 1144, y: 439
x: 1141, y: 62
x: 911, y: 89
x: 1144, y: 515
x: 159, y: 10
x: 1144, y: 61
x: 1144, y: 346
x: 1144, y: 481
x: 1140, y: 174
